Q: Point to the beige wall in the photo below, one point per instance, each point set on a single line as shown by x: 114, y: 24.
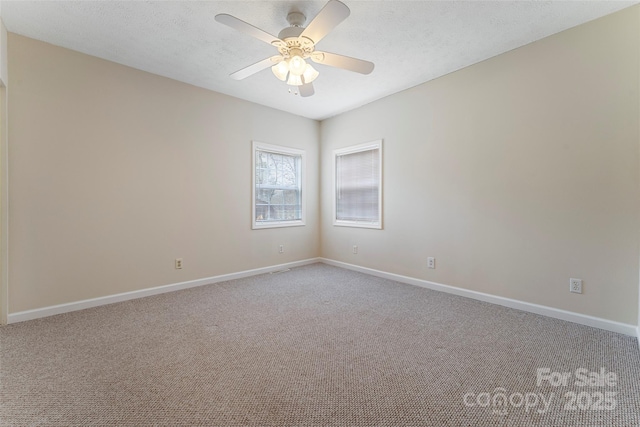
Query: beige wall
x: 115, y: 172
x: 637, y: 10
x: 4, y: 82
x: 3, y: 53
x: 516, y: 174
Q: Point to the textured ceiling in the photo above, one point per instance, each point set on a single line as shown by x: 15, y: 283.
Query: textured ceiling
x: 409, y: 41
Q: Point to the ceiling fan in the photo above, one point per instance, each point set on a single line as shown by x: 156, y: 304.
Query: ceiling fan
x: 295, y: 44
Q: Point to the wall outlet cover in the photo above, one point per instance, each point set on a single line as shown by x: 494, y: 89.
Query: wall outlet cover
x: 575, y: 286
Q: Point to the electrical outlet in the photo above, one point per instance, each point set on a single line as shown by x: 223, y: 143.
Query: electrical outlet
x: 431, y: 262
x: 575, y: 286
x: 178, y: 263
x: 281, y: 249
x: 355, y: 249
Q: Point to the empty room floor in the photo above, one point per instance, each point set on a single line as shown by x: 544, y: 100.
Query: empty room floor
x: 315, y: 345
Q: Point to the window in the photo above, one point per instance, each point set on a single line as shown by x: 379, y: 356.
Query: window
x: 358, y: 185
x: 278, y: 196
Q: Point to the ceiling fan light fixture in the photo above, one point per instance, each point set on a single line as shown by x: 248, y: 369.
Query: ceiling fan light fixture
x: 280, y: 70
x: 310, y: 74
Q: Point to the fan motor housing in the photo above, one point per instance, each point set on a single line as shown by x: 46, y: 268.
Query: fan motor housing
x: 290, y: 32
x: 293, y: 43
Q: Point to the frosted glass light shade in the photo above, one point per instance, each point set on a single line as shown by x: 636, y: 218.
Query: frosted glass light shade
x: 280, y: 70
x: 310, y: 74
x: 294, y: 80
x: 297, y: 65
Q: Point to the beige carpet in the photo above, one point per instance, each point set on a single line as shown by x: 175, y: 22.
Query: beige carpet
x: 317, y: 345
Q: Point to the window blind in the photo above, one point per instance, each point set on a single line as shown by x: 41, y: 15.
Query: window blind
x: 358, y: 186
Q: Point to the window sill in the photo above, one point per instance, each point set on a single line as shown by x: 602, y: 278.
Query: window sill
x: 277, y: 224
x: 375, y: 225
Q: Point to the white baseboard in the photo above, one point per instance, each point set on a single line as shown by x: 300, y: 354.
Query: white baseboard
x: 110, y: 299
x: 556, y: 313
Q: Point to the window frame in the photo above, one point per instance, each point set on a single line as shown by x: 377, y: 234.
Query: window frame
x: 287, y: 151
x: 367, y: 146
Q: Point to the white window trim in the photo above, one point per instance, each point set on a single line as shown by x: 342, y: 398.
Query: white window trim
x: 303, y: 169
x: 377, y: 144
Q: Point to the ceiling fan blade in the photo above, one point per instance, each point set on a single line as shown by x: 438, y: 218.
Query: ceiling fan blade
x: 345, y: 62
x: 306, y: 90
x: 258, y: 66
x: 326, y: 20
x: 246, y: 28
